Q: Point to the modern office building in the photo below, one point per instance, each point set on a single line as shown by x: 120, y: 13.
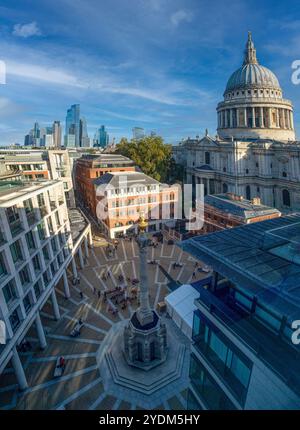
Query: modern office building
x: 101, y: 138
x: 34, y: 137
x: 40, y: 165
x: 91, y: 166
x: 56, y: 131
x: 83, y: 134
x: 243, y: 355
x: 138, y: 133
x: 47, y: 138
x: 73, y: 125
x: 255, y: 152
x: 38, y: 241
x: 122, y: 196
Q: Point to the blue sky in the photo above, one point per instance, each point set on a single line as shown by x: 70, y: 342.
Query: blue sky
x: 158, y: 64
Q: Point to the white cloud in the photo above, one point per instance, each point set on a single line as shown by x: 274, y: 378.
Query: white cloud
x: 180, y: 16
x: 106, y: 83
x: 26, y: 30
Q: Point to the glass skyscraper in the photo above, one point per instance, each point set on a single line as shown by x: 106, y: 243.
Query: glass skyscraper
x: 102, y: 137
x: 73, y: 123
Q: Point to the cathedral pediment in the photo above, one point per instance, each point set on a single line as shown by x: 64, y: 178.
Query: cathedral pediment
x: 206, y: 140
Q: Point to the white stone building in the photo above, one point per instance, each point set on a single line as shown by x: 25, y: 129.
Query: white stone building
x: 123, y: 196
x: 39, y: 238
x: 34, y: 164
x: 255, y: 153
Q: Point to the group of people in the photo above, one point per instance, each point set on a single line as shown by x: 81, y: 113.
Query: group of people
x: 177, y: 264
x: 152, y: 262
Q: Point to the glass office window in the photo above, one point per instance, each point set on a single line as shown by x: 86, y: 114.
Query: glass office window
x: 3, y: 270
x: 16, y: 251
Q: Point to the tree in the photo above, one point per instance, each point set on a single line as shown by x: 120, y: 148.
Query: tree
x: 150, y: 154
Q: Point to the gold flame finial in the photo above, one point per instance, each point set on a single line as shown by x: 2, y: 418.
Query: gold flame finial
x: 142, y: 222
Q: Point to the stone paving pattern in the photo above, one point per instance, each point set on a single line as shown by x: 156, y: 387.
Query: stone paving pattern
x: 80, y: 387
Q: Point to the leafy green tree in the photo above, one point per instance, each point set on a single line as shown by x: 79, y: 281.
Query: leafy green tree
x: 150, y: 153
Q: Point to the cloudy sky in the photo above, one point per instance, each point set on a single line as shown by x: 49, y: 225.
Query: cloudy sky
x: 157, y: 64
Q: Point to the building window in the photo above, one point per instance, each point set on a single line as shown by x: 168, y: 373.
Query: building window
x: 46, y: 278
x: 16, y: 252
x: 248, y: 192
x: 3, y: 270
x: 27, y: 303
x: 28, y: 206
x: 36, y: 263
x: 53, y: 245
x: 207, y: 389
x: 15, y: 319
x: 57, y: 219
x: 224, y: 169
x: 30, y: 241
x: 46, y: 253
x: 37, y: 289
x: 284, y: 174
x: 227, y: 360
x: 14, y: 220
x: 50, y: 225
x: 9, y: 292
x: 24, y: 276
x: 247, y: 171
x: 41, y: 231
x: 41, y: 200
x: 207, y: 158
x: 286, y: 199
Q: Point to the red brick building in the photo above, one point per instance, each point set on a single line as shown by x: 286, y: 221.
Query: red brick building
x: 90, y: 167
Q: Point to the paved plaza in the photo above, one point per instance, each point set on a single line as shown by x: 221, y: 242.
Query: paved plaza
x: 81, y: 386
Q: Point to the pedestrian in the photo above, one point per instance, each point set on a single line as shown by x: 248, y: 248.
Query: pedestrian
x: 81, y: 295
x: 99, y: 294
x: 94, y: 291
x: 194, y: 274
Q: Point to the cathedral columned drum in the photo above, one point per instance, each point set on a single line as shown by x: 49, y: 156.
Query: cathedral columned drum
x: 255, y: 153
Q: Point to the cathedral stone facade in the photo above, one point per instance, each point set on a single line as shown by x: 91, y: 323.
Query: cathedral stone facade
x: 255, y: 153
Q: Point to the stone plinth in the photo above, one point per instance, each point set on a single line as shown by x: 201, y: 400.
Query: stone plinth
x: 145, y: 346
x: 134, y: 384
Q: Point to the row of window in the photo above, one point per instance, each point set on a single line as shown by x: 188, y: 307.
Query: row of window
x: 139, y: 189
x: 226, y: 359
x: 10, y: 290
x: 254, y: 92
x: 13, y: 213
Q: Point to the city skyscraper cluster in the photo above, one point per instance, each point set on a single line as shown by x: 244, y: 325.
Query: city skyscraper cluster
x: 76, y: 134
x: 47, y: 137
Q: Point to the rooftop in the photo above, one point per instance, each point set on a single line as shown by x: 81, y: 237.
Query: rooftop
x: 262, y: 259
x: 242, y: 208
x: 106, y: 159
x: 78, y: 222
x: 124, y: 179
x: 11, y: 190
